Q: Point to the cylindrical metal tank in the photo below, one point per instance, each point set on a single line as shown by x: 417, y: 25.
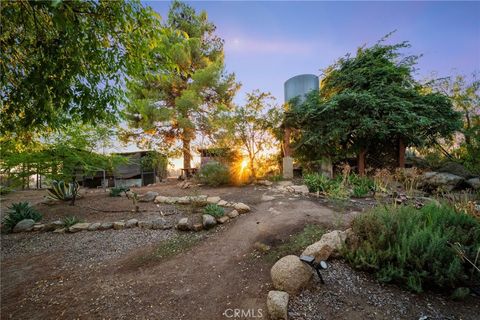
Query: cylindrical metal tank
x: 300, y: 85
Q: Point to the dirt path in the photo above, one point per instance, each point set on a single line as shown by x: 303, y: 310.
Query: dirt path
x: 201, y: 283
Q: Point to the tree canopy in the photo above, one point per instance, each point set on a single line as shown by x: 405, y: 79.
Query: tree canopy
x: 67, y: 61
x: 171, y: 106
x: 367, y: 100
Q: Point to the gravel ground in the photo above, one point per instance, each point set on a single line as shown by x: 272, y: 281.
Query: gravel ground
x: 349, y: 294
x: 82, y: 248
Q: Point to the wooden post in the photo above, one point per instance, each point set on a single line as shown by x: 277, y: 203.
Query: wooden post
x: 401, y: 153
x: 361, y: 161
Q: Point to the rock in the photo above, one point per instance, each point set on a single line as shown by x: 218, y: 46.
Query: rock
x: 267, y: 198
x: 160, y: 223
x: 285, y: 183
x: 24, y: 225
x: 329, y: 244
x: 277, y: 305
x: 222, y: 203
x: 197, y: 227
x: 223, y: 219
x: 233, y: 214
x: 208, y: 221
x: 106, y: 226
x: 145, y: 224
x: 474, y: 183
x: 262, y: 247
x: 161, y: 199
x: 302, y: 189
x: 213, y: 199
x: 38, y: 227
x: 53, y: 225
x: 290, y: 274
x: 457, y: 169
x: 132, y: 223
x: 94, y: 226
x: 81, y: 226
x: 264, y: 183
x: 184, y: 200
x: 241, y: 207
x: 60, y: 230
x: 119, y: 225
x: 183, y: 224
x: 148, y: 197
x: 444, y: 180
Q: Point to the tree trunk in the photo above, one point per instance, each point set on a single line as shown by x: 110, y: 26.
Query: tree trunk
x: 361, y: 161
x: 401, y: 153
x: 252, y: 169
x: 187, y: 154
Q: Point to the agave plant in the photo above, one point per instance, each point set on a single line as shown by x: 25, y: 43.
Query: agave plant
x: 61, y: 191
x: 18, y: 212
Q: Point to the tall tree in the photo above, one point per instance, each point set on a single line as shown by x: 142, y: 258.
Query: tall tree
x: 66, y: 61
x: 253, y: 127
x: 172, y: 106
x: 368, y: 100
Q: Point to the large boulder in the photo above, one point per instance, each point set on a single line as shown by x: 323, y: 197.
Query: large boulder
x: 24, y: 225
x: 330, y: 243
x: 434, y: 180
x: 148, y: 197
x: 208, y: 221
x: 277, y: 305
x: 456, y: 169
x: 290, y: 274
x: 474, y: 183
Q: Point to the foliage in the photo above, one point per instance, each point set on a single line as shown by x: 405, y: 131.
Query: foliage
x: 408, y: 177
x: 66, y: 61
x: 117, y: 191
x: 251, y: 128
x: 171, y: 107
x: 5, y: 190
x: 412, y: 246
x: 18, y: 212
x: 214, y: 210
x: 214, y: 174
x: 296, y: 243
x: 70, y: 221
x: 465, y: 96
x: 57, y: 155
x: 64, y: 192
x: 367, y: 100
x: 341, y: 187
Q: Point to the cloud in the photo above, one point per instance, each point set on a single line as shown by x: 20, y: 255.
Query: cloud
x: 248, y: 45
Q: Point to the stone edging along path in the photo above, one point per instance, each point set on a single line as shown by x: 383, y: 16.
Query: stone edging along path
x: 184, y: 224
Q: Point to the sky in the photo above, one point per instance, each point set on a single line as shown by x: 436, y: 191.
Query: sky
x: 268, y: 42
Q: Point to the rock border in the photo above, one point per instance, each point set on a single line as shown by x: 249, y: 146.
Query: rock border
x: 183, y: 224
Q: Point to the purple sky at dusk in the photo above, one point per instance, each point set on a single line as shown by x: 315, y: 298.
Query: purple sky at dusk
x: 268, y: 42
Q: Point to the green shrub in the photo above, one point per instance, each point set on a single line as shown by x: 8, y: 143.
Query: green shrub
x: 117, y: 191
x: 214, y: 210
x: 317, y: 182
x: 414, y: 247
x: 18, y: 212
x: 5, y: 190
x: 70, y: 221
x: 61, y: 191
x: 214, y: 174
